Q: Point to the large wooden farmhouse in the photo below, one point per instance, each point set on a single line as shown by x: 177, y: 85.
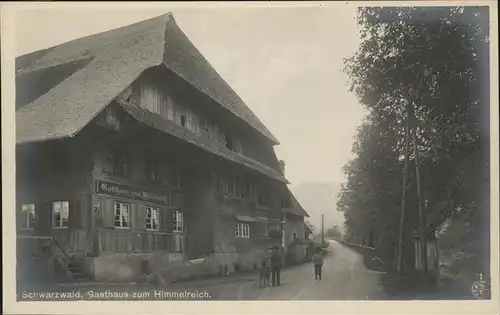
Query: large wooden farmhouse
x: 134, y: 155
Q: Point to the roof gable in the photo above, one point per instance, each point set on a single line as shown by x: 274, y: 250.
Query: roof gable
x: 119, y: 57
x: 184, y: 59
x: 115, y: 59
x: 295, y: 207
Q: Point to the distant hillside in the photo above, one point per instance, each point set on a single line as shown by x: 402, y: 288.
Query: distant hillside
x: 317, y: 198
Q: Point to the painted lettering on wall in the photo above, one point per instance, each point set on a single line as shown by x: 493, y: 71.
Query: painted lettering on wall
x: 113, y: 189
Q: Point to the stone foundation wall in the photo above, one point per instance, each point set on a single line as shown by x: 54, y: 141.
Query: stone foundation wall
x: 170, y: 266
x: 128, y: 267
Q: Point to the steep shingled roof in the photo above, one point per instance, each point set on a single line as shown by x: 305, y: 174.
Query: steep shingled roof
x: 295, y: 208
x: 97, y: 68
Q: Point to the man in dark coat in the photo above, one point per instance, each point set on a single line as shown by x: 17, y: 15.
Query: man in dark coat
x: 275, y: 266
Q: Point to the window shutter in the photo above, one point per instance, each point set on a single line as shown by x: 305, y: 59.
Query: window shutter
x: 75, y: 215
x: 253, y: 229
x: 166, y: 220
x: 159, y: 221
x: 141, y: 217
x: 108, y: 213
x: 43, y: 218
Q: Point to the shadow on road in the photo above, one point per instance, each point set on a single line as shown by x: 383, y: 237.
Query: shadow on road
x: 409, y: 285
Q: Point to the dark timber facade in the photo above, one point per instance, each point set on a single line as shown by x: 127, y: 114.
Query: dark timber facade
x: 134, y: 156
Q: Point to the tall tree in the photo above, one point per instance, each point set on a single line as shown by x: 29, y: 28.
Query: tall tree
x: 436, y: 60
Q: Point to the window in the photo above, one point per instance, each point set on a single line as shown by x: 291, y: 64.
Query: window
x: 152, y: 219
x: 261, y: 200
x: 230, y: 142
x: 177, y: 180
x: 117, y: 163
x: 220, y: 136
x: 276, y: 202
x: 110, y: 117
x: 239, y: 188
x: 177, y: 221
x: 248, y: 194
x: 205, y: 127
x: 153, y: 173
x: 181, y: 115
x: 243, y: 230
x: 285, y: 203
x: 27, y: 216
x: 262, y: 229
x: 224, y: 185
x: 255, y: 194
x: 122, y: 215
x: 60, y: 214
x: 238, y: 145
x: 274, y: 226
x: 121, y: 164
x: 192, y: 122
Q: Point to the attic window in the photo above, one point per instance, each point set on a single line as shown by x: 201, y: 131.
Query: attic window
x: 230, y: 142
x: 205, y: 127
x: 110, y: 117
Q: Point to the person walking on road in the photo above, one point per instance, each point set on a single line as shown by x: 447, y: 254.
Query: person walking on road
x: 318, y: 263
x: 275, y: 266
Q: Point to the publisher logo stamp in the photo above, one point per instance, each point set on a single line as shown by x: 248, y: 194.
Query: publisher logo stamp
x: 481, y: 288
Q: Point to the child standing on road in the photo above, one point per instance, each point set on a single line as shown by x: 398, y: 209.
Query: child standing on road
x: 265, y: 273
x: 318, y: 263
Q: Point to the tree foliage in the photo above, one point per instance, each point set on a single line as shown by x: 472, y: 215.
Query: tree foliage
x: 435, y: 60
x: 333, y: 232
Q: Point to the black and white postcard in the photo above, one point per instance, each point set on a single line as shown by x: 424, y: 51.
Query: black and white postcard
x: 167, y: 157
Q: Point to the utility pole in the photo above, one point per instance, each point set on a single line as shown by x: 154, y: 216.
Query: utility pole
x: 403, y: 196
x: 421, y: 212
x: 322, y: 229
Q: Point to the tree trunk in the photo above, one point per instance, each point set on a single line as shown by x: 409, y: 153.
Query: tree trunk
x: 403, y: 196
x: 421, y: 212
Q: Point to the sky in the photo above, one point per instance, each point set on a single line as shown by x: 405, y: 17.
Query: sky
x: 285, y: 63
